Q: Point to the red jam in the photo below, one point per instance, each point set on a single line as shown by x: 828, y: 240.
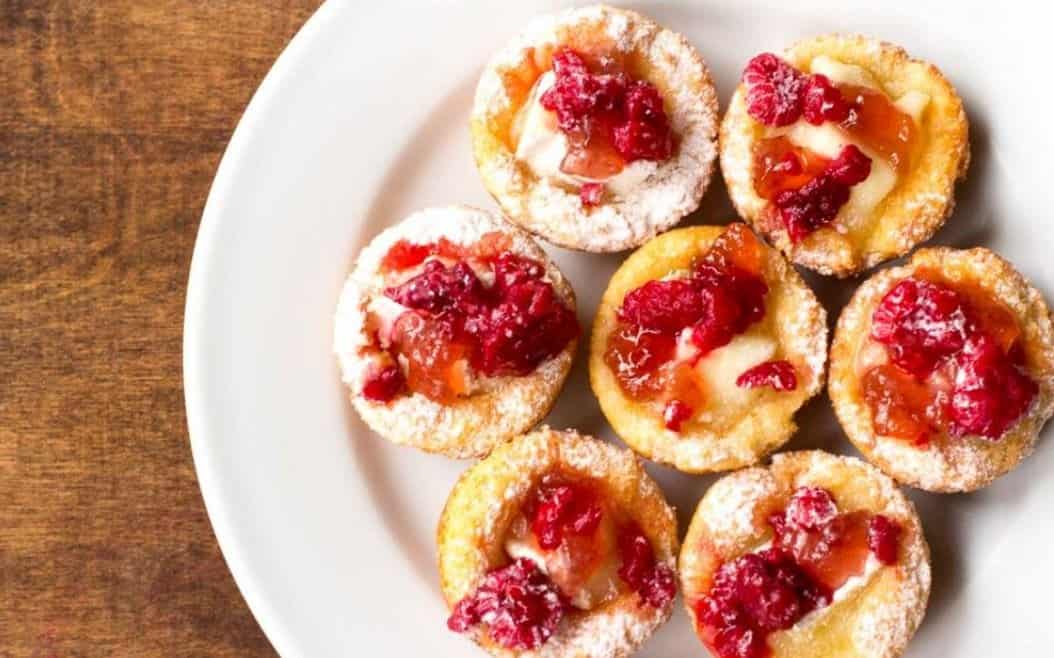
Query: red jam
x: 806, y: 194
x: 610, y: 119
x: 588, y: 547
x: 454, y: 324
x: 779, y: 375
x: 815, y: 550
x: 519, y: 605
x: 723, y: 296
x: 956, y: 363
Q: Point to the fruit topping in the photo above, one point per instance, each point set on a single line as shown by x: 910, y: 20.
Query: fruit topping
x: 877, y: 123
x: 609, y: 118
x: 517, y: 604
x: 780, y: 166
x: 956, y: 363
x: 719, y: 299
x: 652, y: 580
x: 815, y: 550
x: 822, y: 101
x: 774, y: 90
x: 883, y: 538
x: 779, y: 375
x: 561, y: 509
x: 383, y: 383
x: 452, y: 323
x: 816, y: 203
x: 591, y: 194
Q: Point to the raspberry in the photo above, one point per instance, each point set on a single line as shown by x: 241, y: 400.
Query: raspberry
x: 920, y: 323
x: 440, y: 288
x: 652, y: 580
x: 810, y: 508
x: 519, y: 605
x: 675, y: 414
x: 579, y: 95
x: 774, y: 90
x: 383, y: 384
x: 563, y: 508
x: 991, y: 392
x: 883, y: 535
x: 733, y: 300
x: 779, y: 375
x: 591, y: 194
x: 823, y: 101
x: 664, y: 306
x: 815, y: 204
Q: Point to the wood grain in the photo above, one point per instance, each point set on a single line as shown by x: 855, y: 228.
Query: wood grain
x: 113, y: 116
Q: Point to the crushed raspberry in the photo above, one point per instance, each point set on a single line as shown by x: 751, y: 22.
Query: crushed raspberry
x: 559, y: 509
x: 591, y: 194
x: 920, y: 323
x: 383, y: 384
x: 675, y: 414
x: 752, y: 596
x: 664, y: 306
x: 453, y: 320
x: 991, y: 392
x: 774, y: 90
x: 883, y: 537
x: 815, y: 204
x: 518, y: 604
x: 721, y: 298
x: 652, y: 580
x: 822, y: 101
x: 779, y: 375
x: 810, y: 508
x: 601, y: 109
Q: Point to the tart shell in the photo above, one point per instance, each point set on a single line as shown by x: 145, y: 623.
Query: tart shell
x: 556, y: 213
x: 877, y: 620
x: 914, y: 209
x: 472, y: 426
x: 801, y: 329
x: 487, y: 498
x: 946, y: 464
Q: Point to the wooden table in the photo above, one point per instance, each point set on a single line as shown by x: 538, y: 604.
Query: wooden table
x: 113, y: 117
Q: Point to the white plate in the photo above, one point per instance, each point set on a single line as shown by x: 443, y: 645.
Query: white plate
x: 329, y: 529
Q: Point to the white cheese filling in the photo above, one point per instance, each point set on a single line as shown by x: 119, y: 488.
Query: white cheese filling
x: 542, y: 146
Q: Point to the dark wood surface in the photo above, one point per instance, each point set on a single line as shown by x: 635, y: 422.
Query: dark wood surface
x: 113, y: 117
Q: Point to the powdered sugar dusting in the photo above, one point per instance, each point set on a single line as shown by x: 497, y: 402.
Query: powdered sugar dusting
x: 469, y: 428
x: 547, y: 207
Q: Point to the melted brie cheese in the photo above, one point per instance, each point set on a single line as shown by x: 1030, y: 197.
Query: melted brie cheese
x: 721, y: 367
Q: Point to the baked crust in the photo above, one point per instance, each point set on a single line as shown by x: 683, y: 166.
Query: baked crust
x: 913, y: 210
x: 876, y: 620
x: 795, y: 317
x: 665, y: 59
x: 946, y: 464
x: 472, y: 426
x: 487, y: 498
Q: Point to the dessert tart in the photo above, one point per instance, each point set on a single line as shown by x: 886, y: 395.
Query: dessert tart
x: 455, y: 331
x: 844, y: 151
x: 815, y: 556
x: 557, y: 545
x: 705, y: 344
x: 942, y: 371
x: 596, y: 128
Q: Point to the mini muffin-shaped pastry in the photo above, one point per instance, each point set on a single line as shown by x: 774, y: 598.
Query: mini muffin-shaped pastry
x: 843, y: 152
x: 454, y: 332
x: 705, y: 344
x: 942, y: 371
x: 557, y: 545
x: 596, y: 128
x: 816, y: 556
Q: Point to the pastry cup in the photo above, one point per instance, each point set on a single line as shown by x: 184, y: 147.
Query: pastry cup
x: 945, y: 464
x: 794, y: 317
x: 555, y: 212
x: 473, y: 425
x: 489, y: 495
x: 877, y: 618
x: 917, y: 206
